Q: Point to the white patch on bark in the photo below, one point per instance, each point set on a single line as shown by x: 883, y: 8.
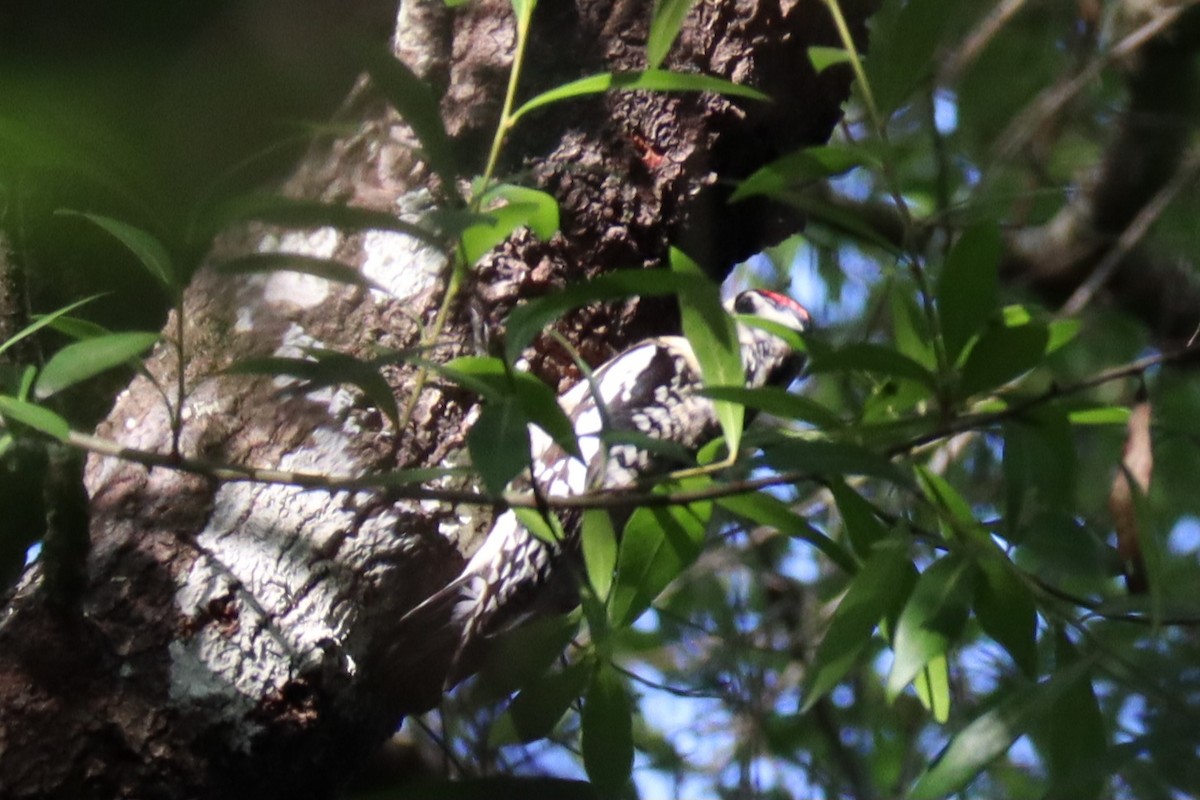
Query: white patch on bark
x: 403, y: 265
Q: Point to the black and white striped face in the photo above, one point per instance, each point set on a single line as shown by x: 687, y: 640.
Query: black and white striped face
x: 769, y: 360
x: 774, y: 307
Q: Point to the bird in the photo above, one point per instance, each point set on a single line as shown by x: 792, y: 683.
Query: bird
x: 652, y: 389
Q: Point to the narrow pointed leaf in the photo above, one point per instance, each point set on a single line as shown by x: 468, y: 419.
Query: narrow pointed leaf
x: 328, y: 268
x: 777, y: 402
x: 883, y: 582
x: 932, y: 619
x: 608, y: 733
x: 40, y: 419
x: 664, y: 29
x: 527, y: 321
x: 714, y: 340
x: 599, y: 550
x: 43, y: 321
x: 1001, y: 354
x: 82, y: 360
x: 862, y: 525
x: 990, y: 735
x: 967, y: 288
x: 538, y: 708
x: 795, y: 170
x: 149, y: 251
x: 417, y: 104
x: 499, y: 443
x: 764, y: 509
x: 656, y: 80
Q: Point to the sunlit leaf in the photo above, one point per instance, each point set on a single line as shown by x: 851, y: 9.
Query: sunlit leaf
x: 42, y: 321
x: 932, y: 619
x: 608, y: 732
x: 655, y: 80
x: 932, y: 686
x: 822, y: 58
x: 82, y: 360
x: 40, y: 419
x: 599, y: 542
x: 664, y: 29
x: 884, y: 582
x: 713, y: 336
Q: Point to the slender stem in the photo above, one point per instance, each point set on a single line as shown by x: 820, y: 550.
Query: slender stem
x: 457, y: 265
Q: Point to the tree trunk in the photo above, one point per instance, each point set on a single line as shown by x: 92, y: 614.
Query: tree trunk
x: 232, y: 637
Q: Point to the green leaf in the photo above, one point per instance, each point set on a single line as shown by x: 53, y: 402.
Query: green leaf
x: 522, y: 207
x: 764, y: 509
x: 1001, y: 354
x: 831, y: 458
x: 77, y: 328
x: 989, y: 736
x: 545, y: 526
x: 516, y: 657
x: 968, y: 286
x: 659, y: 542
x: 664, y: 29
x: 492, y: 379
x: 1006, y: 611
x: 539, y: 707
x: 802, y: 167
x: 499, y: 443
x: 884, y: 582
x: 149, y: 251
x: 328, y: 268
x: 1072, y: 736
x: 909, y: 330
x: 1099, y: 415
x: 872, y: 358
x: 599, y: 550
x: 543, y: 219
x: 932, y: 619
x: 417, y: 104
x: 778, y: 402
x: 527, y: 321
x: 932, y: 685
x: 82, y: 360
x: 945, y: 497
x: 608, y: 732
x: 293, y: 212
x: 327, y: 368
x: 1061, y: 333
x: 42, y: 321
x: 654, y: 80
x: 713, y: 336
x: 902, y: 39
x: 40, y: 419
x: 862, y: 525
x: 822, y: 58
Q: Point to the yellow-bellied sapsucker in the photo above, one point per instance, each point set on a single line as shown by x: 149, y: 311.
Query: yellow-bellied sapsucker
x: 651, y: 390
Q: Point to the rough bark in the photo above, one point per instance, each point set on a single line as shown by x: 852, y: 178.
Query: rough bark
x: 231, y: 637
